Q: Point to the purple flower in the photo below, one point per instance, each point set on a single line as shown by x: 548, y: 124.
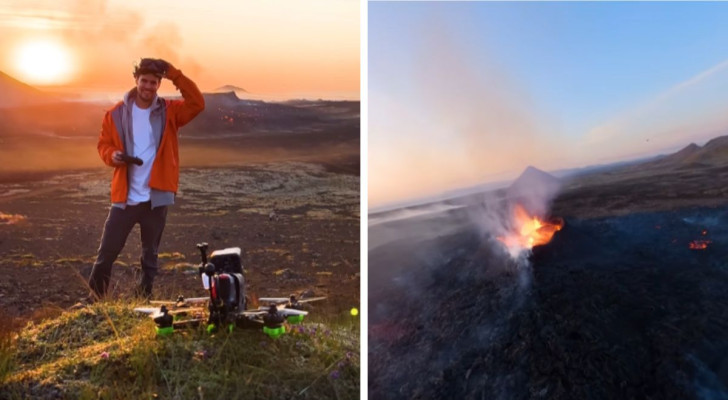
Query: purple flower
x: 334, y: 374
x: 348, y: 355
x: 301, y: 329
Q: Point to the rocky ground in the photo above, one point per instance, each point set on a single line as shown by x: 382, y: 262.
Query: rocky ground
x: 297, y: 224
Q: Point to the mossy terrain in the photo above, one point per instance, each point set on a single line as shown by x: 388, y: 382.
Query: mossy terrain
x: 107, y: 351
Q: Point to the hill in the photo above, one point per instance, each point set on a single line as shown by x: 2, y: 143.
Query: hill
x: 16, y: 93
x: 534, y: 189
x: 230, y: 88
x: 694, y: 176
x: 713, y: 153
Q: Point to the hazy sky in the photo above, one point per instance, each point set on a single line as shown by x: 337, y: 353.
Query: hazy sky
x: 466, y: 93
x: 277, y: 47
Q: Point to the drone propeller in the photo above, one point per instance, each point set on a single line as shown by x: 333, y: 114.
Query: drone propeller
x: 291, y: 311
x: 284, y: 311
x: 147, y: 310
x: 265, y: 311
x: 274, y: 300
x: 155, y: 312
x: 311, y: 299
x: 291, y: 300
x: 254, y: 313
x: 181, y: 300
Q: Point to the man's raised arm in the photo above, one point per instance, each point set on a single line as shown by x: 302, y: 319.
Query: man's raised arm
x: 193, y: 102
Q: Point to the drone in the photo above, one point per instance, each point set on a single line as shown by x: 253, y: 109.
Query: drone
x: 222, y: 277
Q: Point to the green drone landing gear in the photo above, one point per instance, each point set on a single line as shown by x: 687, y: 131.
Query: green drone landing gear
x: 165, y: 323
x: 212, y: 328
x: 166, y: 331
x: 273, y: 323
x: 274, y: 333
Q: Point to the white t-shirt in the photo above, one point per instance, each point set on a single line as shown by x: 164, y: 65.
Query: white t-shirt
x: 144, y: 148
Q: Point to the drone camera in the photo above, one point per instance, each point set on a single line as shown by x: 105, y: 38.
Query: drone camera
x: 223, y: 277
x: 227, y: 260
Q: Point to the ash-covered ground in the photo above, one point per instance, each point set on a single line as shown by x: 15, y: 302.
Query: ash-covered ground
x: 613, y: 307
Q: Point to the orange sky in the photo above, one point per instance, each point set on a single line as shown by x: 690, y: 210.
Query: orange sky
x: 282, y: 48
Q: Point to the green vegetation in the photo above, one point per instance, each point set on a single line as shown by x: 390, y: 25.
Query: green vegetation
x: 7, y: 351
x: 107, y: 351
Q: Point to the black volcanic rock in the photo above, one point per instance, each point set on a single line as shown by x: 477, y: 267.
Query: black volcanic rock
x: 227, y: 99
x: 612, y: 308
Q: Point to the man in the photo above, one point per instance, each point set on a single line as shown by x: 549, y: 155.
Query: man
x: 143, y: 126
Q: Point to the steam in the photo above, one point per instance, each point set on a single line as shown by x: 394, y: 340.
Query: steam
x: 463, y: 121
x: 534, y: 190
x: 429, y: 262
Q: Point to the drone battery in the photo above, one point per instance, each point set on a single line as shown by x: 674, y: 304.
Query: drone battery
x: 227, y: 260
x: 230, y: 289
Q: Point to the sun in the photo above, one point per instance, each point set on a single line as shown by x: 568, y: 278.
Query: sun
x: 43, y: 62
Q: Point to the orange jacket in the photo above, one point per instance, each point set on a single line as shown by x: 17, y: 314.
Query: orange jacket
x: 165, y: 170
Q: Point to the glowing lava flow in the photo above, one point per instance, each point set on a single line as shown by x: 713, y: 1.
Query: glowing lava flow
x: 9, y: 219
x: 529, y: 231
x: 699, y: 244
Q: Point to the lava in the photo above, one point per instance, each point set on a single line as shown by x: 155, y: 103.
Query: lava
x: 529, y: 231
x: 9, y: 219
x: 699, y: 244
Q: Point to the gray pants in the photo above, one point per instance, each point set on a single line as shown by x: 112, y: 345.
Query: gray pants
x: 116, y: 230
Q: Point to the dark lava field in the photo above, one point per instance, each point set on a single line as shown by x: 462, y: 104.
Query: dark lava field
x: 628, y: 306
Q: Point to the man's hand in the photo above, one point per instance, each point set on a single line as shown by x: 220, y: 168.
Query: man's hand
x: 116, y: 158
x: 160, y: 65
x: 166, y: 65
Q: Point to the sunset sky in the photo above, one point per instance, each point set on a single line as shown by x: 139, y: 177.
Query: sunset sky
x: 465, y: 93
x: 274, y: 48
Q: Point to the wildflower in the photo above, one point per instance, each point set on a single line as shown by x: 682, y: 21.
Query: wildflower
x: 105, y: 355
x: 334, y: 374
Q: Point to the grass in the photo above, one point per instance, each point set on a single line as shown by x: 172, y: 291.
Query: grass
x: 7, y: 347
x: 106, y: 351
